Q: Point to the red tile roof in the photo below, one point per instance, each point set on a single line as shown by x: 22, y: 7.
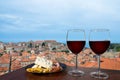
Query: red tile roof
x: 106, y: 63
x: 110, y: 64
x: 3, y: 69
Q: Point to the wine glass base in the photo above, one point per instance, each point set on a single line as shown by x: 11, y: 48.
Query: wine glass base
x: 76, y: 73
x: 99, y: 75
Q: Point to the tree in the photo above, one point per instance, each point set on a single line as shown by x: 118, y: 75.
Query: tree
x: 54, y: 49
x: 1, y: 54
x: 43, y: 44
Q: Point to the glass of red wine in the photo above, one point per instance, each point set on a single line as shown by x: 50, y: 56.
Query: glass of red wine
x: 76, y: 41
x: 99, y: 41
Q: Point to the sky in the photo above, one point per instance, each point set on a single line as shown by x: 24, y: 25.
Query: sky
x: 25, y: 20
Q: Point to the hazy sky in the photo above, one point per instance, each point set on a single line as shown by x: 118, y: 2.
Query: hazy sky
x: 25, y: 20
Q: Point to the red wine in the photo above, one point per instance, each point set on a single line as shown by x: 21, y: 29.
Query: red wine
x: 99, y: 47
x: 76, y: 46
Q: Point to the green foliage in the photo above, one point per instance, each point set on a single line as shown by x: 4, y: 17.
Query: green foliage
x: 67, y: 51
x: 14, y: 51
x: 118, y: 48
x: 21, y: 50
x: 1, y: 54
x: 43, y: 44
x: 115, y: 46
x: 53, y: 48
x: 29, y: 51
x: 36, y: 46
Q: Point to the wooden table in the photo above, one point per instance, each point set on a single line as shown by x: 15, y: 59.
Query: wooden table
x: 21, y: 74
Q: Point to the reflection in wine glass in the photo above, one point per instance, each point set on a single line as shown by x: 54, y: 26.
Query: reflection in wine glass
x: 76, y: 41
x: 99, y: 42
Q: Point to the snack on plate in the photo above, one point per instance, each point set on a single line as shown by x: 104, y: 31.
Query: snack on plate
x: 43, y: 65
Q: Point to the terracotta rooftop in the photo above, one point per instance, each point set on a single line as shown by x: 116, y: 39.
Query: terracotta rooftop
x: 4, y: 59
x: 3, y: 69
x: 67, y: 58
x: 118, y: 59
x: 106, y: 63
x: 110, y: 64
x: 25, y: 53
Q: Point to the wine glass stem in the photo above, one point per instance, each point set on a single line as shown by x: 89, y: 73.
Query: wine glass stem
x: 76, y: 62
x: 98, y: 64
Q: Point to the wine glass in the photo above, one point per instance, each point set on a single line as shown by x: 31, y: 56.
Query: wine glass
x: 99, y: 41
x: 75, y: 41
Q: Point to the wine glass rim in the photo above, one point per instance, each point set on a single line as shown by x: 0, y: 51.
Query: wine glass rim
x: 97, y: 30
x: 76, y: 30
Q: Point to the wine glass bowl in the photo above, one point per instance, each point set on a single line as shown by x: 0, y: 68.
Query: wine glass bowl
x: 75, y: 46
x: 75, y: 41
x: 99, y: 47
x: 99, y: 41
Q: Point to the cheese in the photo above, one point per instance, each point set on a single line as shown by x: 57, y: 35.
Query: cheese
x: 43, y: 62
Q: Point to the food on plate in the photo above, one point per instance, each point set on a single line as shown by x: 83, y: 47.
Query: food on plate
x: 43, y: 65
